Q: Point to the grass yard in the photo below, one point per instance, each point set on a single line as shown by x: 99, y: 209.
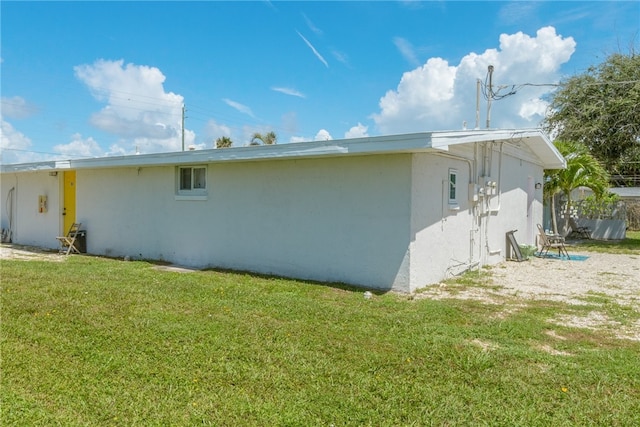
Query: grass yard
x: 99, y: 342
x: 630, y: 245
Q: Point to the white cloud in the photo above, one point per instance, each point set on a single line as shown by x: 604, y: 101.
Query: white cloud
x: 358, y: 131
x: 138, y: 108
x: 288, y: 91
x: 15, y: 146
x: 406, y: 49
x: 418, y: 98
x: 517, y: 11
x: 17, y: 108
x: 532, y: 108
x: 313, y: 49
x: 440, y: 96
x: 412, y: 4
x: 340, y: 57
x: 150, y: 145
x: 323, y: 135
x: 298, y: 139
x: 214, y: 130
x: 240, y: 107
x: 311, y: 25
x: 79, y: 147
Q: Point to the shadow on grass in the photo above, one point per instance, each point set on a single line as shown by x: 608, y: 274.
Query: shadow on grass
x: 337, y: 285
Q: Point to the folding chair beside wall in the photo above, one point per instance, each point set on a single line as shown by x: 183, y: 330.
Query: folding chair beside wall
x: 68, y: 242
x: 551, y: 242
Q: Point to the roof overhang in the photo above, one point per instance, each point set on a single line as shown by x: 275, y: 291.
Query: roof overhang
x: 538, y: 143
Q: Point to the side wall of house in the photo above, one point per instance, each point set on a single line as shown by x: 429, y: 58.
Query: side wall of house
x: 441, y: 245
x: 450, y: 239
x: 21, y: 208
x: 334, y: 219
x: 518, y: 205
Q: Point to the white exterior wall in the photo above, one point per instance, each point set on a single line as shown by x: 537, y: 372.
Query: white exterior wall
x: 377, y: 220
x: 440, y: 236
x: 343, y: 219
x: 29, y: 226
x: 521, y: 206
x: 446, y: 242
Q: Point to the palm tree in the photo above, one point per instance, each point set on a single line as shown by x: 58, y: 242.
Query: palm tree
x: 224, y: 142
x: 268, y: 138
x: 583, y: 170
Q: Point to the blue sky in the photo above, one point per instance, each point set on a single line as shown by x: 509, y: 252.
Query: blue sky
x: 88, y: 79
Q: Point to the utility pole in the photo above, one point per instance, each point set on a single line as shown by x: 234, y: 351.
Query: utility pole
x: 490, y: 96
x: 183, y: 127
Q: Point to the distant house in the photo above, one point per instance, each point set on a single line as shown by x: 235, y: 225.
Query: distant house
x: 391, y: 212
x: 627, y: 211
x: 630, y: 196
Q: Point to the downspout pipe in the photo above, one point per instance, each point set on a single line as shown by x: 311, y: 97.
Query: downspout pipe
x: 464, y: 159
x: 499, y: 184
x: 497, y: 208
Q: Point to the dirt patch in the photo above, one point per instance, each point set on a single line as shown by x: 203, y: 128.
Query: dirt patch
x: 32, y: 253
x: 29, y: 253
x: 174, y: 268
x: 599, y: 321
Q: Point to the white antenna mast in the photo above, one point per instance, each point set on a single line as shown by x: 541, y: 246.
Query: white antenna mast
x: 182, y: 127
x: 478, y: 84
x: 489, y: 96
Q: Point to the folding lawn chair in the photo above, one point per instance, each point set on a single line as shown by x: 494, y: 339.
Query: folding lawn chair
x: 554, y: 241
x: 68, y: 242
x: 581, y: 231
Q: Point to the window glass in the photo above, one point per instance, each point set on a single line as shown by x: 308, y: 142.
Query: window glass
x: 199, y: 178
x: 453, y: 177
x: 185, y: 178
x: 191, y: 182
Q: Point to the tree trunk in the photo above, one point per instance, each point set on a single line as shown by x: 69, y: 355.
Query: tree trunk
x: 554, y: 221
x: 567, y: 212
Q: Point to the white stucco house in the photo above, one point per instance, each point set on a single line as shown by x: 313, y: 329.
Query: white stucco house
x: 393, y: 212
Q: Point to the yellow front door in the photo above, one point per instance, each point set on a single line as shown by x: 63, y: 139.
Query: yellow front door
x: 69, y: 202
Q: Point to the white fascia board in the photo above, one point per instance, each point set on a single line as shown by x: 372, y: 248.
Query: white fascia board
x: 390, y: 144
x: 406, y: 143
x: 36, y: 166
x: 548, y: 155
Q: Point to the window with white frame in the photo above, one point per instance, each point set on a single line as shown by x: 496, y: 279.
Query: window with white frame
x: 453, y: 186
x: 192, y: 181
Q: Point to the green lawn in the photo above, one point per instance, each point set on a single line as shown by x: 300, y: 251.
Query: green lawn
x: 99, y: 342
x: 630, y: 245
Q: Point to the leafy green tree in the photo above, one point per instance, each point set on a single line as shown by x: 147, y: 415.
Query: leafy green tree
x: 601, y: 109
x: 224, y: 142
x: 268, y: 138
x: 583, y: 170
